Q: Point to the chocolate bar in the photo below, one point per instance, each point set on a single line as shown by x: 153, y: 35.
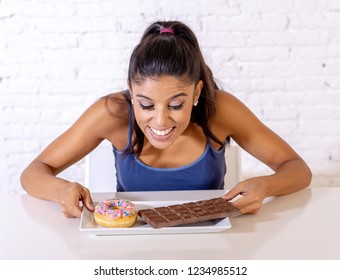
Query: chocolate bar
x: 187, y: 213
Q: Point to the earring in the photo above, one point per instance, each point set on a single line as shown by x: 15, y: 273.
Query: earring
x: 196, y: 102
x: 131, y: 101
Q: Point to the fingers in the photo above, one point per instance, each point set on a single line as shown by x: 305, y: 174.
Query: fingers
x: 73, y: 212
x: 247, y: 204
x: 72, y: 195
x: 238, y: 190
x: 71, y: 208
x: 87, y: 200
x: 247, y: 196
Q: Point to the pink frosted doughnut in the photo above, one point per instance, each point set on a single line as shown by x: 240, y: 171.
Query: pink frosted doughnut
x: 115, y: 213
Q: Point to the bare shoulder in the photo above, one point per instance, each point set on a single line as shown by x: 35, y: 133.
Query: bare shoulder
x: 115, y: 104
x: 104, y: 119
x: 230, y: 113
x: 112, y: 107
x: 107, y: 118
x: 108, y: 115
x: 226, y: 103
x: 235, y: 119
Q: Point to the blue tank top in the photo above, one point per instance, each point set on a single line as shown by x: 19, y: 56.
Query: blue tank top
x: 207, y: 172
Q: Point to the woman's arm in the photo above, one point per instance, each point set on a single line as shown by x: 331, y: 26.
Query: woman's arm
x: 291, y: 173
x: 39, y: 178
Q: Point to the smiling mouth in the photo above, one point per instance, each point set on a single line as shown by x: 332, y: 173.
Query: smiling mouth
x: 162, y: 132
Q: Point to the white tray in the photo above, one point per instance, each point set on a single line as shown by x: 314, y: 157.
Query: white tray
x: 88, y: 224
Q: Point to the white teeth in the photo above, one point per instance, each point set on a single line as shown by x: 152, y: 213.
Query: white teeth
x: 161, y: 132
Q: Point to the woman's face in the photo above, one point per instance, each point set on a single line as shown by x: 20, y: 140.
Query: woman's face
x: 162, y: 108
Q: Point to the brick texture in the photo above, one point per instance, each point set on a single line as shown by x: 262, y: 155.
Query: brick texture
x: 282, y: 58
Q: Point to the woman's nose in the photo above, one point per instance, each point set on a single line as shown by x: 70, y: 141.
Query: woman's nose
x: 160, y: 117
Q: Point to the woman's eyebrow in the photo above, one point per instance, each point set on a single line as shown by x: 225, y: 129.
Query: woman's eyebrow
x: 178, y: 95
x: 171, y: 98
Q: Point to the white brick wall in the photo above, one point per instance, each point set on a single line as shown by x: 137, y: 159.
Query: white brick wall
x: 282, y: 58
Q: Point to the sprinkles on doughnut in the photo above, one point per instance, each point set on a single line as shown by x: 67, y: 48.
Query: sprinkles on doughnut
x: 115, y: 213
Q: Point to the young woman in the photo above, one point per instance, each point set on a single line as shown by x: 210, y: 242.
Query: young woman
x: 168, y: 132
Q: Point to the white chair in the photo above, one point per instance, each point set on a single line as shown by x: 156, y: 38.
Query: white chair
x: 100, y: 171
x: 234, y: 166
x: 100, y: 174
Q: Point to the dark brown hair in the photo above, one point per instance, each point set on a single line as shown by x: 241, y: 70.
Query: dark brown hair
x: 175, y: 54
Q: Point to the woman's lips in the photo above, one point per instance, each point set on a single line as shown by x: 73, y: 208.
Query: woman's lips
x: 161, y: 134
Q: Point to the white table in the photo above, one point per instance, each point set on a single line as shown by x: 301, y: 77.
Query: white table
x: 303, y: 225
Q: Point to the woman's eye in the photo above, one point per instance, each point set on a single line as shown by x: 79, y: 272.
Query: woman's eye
x: 146, y: 107
x: 176, y: 107
x: 151, y: 106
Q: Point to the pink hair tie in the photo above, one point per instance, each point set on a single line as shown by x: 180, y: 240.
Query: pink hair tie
x: 166, y: 30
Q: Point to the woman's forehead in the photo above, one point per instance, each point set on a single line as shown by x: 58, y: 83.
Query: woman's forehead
x: 164, y: 84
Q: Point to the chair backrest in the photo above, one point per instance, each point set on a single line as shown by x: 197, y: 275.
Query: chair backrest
x: 100, y: 175
x: 100, y: 171
x: 234, y: 166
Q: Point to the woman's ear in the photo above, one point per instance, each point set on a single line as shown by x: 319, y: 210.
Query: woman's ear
x: 198, y: 90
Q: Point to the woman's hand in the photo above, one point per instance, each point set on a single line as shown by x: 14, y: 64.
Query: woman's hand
x: 252, y: 192
x: 69, y: 197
